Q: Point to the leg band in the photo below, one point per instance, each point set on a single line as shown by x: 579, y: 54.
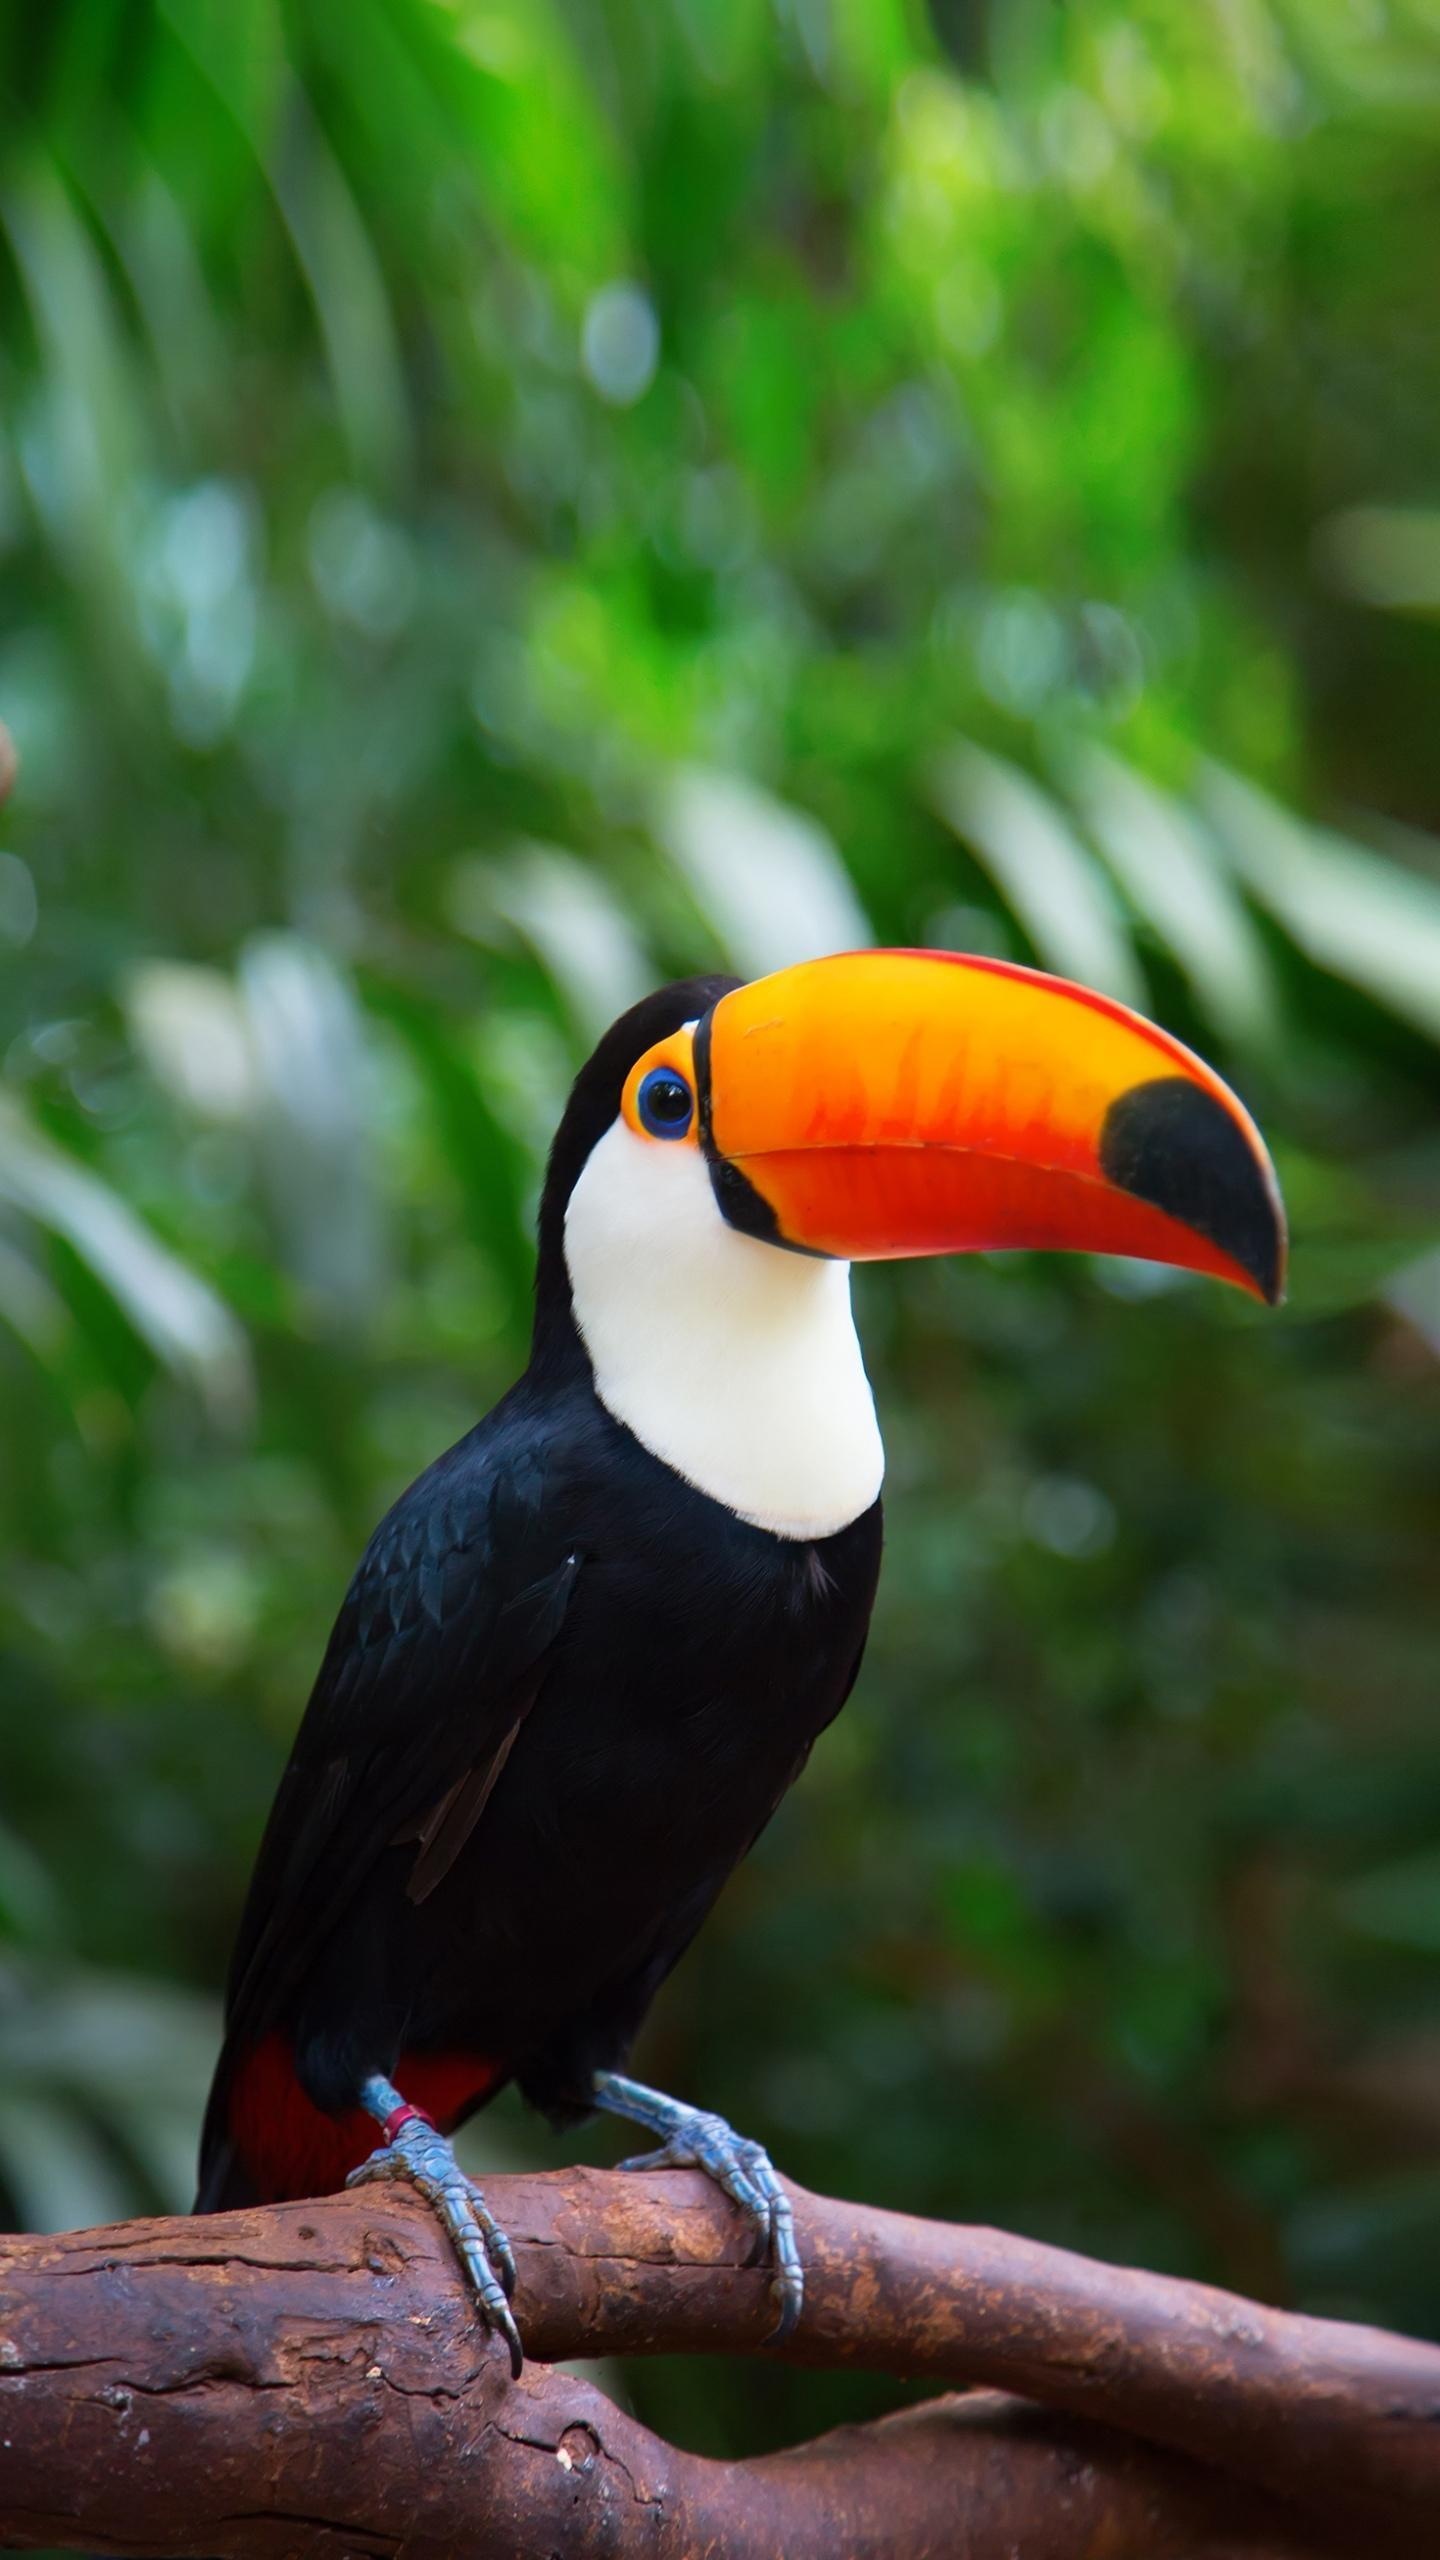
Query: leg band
x: 402, y: 2115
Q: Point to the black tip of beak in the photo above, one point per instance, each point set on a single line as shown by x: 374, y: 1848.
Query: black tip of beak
x: 1174, y: 1144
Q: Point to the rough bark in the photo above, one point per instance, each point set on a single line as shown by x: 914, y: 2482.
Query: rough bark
x: 308, y: 2379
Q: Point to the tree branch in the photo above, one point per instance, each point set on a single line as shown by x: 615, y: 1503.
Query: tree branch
x: 308, y: 2377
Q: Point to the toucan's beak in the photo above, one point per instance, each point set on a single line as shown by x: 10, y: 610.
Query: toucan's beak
x: 887, y: 1103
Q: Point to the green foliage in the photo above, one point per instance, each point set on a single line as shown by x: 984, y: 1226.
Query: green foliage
x: 500, y: 505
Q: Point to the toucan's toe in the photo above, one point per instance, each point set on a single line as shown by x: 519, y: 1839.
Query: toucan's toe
x: 423, y: 2157
x: 694, y: 2138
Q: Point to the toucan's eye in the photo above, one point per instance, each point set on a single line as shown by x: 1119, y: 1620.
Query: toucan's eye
x: 665, y: 1103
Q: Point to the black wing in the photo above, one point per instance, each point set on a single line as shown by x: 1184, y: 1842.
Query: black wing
x: 437, y: 1656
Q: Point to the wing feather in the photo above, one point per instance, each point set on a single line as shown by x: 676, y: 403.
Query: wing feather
x: 439, y: 1652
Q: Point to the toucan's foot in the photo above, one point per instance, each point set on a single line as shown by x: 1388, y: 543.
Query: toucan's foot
x: 414, y: 2150
x: 691, y: 2138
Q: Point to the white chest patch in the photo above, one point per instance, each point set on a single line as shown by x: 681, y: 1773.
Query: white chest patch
x: 734, y: 1361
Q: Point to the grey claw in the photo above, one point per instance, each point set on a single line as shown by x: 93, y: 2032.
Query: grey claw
x: 745, y: 2173
x: 497, y: 2243
x: 424, y: 2157
x: 791, y: 2300
x: 502, y: 2321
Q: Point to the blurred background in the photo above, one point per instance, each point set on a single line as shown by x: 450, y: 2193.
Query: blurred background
x: 506, y: 501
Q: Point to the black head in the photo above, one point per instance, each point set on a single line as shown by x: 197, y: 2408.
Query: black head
x: 591, y: 1110
x: 873, y: 1105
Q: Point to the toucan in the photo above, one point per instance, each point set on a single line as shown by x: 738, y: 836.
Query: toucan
x: 587, y: 1652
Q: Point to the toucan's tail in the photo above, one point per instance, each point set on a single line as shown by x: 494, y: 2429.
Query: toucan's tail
x: 225, y: 2182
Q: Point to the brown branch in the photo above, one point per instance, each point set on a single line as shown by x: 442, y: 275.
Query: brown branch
x: 308, y: 2377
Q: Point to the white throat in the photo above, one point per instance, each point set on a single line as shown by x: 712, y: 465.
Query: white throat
x: 734, y: 1361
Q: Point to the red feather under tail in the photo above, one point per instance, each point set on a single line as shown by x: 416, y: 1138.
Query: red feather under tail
x: 289, y: 2147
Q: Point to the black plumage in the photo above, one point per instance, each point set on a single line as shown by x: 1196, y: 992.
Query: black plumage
x: 564, y: 1694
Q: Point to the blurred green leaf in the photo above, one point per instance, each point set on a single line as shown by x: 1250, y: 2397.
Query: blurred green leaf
x: 1176, y: 882
x: 102, y: 2082
x: 55, y: 2168
x: 80, y: 445
x: 572, y: 920
x: 183, y: 1321
x: 1399, y: 1902
x: 766, y: 877
x: 1387, y: 556
x: 313, y: 1119
x: 1348, y: 910
x: 341, y: 269
x: 1039, y: 866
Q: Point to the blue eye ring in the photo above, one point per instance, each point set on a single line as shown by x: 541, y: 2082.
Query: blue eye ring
x: 665, y: 1105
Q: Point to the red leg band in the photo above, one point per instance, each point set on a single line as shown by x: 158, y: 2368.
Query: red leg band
x: 399, y: 2116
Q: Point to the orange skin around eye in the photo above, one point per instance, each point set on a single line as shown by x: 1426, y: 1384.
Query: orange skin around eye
x: 678, y: 1053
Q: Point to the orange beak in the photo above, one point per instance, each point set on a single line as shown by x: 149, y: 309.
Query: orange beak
x: 889, y: 1103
